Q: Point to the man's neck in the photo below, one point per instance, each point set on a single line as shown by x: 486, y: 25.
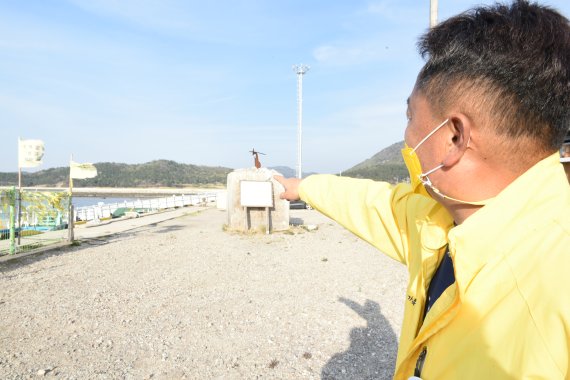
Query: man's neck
x: 489, y: 183
x: 460, y: 213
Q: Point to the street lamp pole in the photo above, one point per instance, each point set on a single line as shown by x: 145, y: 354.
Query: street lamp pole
x: 300, y: 70
x: 432, y: 13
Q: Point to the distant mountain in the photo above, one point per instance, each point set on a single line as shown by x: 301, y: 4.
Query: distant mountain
x: 287, y: 172
x: 386, y: 165
x: 159, y: 173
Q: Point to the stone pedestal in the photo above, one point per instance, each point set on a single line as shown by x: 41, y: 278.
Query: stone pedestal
x: 222, y: 200
x: 242, y: 218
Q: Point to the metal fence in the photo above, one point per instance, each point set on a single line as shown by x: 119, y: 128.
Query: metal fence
x: 32, y: 219
x: 141, y: 206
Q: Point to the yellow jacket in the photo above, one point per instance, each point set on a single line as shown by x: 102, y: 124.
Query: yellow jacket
x: 507, y: 316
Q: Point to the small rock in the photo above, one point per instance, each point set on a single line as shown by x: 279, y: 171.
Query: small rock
x: 311, y: 227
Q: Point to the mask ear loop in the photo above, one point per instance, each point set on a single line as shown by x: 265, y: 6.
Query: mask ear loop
x: 429, y: 135
x: 427, y: 182
x: 477, y: 203
x: 424, y: 176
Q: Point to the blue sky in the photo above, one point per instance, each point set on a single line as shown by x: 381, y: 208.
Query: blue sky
x: 203, y: 82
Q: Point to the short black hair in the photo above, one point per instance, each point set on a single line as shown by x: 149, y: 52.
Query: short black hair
x: 514, y: 60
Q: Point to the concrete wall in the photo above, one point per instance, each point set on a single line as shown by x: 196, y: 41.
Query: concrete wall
x: 256, y: 217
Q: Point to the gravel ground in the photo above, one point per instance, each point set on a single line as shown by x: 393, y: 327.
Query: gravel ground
x: 185, y: 299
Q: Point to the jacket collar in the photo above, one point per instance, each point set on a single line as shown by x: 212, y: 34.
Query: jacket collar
x: 482, y: 237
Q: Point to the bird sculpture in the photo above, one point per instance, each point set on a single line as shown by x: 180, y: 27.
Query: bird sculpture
x: 256, y: 157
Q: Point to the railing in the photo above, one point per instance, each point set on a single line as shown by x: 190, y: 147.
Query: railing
x: 44, y: 216
x: 27, y: 219
x: 109, y: 210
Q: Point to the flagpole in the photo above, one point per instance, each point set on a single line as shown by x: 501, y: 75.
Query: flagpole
x: 30, y: 155
x: 19, y: 168
x: 70, y: 219
x: 19, y: 194
x: 70, y: 179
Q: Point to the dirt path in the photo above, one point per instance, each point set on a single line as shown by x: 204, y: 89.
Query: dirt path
x: 184, y: 299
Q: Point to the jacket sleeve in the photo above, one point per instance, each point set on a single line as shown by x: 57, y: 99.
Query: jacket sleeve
x: 375, y: 211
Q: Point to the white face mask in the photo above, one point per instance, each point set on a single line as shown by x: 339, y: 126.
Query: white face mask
x: 420, y: 180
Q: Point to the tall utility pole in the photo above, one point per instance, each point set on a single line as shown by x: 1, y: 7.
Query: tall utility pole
x: 432, y: 13
x: 300, y: 70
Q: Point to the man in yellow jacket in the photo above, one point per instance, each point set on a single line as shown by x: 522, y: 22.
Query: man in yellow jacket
x: 484, y: 225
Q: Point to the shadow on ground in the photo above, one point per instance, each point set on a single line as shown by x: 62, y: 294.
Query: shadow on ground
x: 81, y: 243
x: 171, y: 228
x: 372, y: 351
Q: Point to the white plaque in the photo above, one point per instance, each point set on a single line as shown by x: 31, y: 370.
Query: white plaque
x: 256, y: 193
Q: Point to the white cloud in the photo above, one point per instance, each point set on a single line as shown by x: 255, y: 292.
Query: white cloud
x: 387, y: 9
x: 353, y: 52
x: 384, y: 31
x: 154, y: 14
x: 384, y: 8
x: 351, y: 135
x: 399, y: 12
x: 231, y: 23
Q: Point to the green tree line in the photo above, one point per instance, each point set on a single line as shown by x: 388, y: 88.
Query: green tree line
x: 157, y: 173
x: 392, y: 173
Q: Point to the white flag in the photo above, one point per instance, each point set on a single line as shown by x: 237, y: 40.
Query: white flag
x: 82, y: 171
x: 30, y: 153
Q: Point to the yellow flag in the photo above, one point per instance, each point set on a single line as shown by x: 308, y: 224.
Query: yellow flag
x: 82, y: 171
x: 30, y: 153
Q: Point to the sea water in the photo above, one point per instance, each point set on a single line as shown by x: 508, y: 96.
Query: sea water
x: 94, y: 201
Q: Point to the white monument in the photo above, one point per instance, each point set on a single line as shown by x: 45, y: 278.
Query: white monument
x: 254, y: 203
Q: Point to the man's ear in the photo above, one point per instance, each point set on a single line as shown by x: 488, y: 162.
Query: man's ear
x: 457, y: 140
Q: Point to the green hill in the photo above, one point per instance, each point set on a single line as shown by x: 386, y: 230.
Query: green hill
x: 386, y: 165
x: 151, y: 174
